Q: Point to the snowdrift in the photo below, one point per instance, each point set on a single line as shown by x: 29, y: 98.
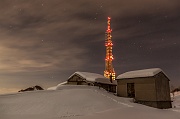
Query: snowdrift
x: 77, y: 102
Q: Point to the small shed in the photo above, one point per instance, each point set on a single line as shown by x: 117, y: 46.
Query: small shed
x: 149, y: 87
x: 92, y: 79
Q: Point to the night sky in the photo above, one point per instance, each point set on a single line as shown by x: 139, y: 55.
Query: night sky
x: 42, y: 42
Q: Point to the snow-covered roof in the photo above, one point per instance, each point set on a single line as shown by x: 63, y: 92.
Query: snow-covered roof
x: 93, y: 77
x: 106, y: 81
x: 140, y: 73
x: 88, y: 76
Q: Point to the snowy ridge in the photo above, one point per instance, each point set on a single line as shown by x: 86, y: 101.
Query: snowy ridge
x: 140, y: 73
x: 78, y: 102
x: 177, y: 93
x: 52, y: 88
x: 55, y: 87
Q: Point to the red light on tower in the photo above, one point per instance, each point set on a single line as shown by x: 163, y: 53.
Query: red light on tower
x: 109, y: 70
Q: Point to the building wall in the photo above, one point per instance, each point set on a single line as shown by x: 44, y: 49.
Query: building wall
x: 121, y: 88
x: 107, y: 87
x: 77, y: 80
x: 162, y: 87
x: 72, y: 83
x: 113, y: 88
x: 163, y: 91
x: 144, y: 88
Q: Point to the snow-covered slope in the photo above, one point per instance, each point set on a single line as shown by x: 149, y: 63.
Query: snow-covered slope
x: 56, y: 87
x: 176, y: 100
x: 77, y: 102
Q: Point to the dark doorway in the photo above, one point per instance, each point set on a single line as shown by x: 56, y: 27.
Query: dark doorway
x: 130, y: 90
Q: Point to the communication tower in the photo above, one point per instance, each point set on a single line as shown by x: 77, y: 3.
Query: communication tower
x: 109, y: 70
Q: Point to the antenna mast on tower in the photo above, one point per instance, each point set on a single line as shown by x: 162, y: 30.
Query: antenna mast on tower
x: 109, y: 70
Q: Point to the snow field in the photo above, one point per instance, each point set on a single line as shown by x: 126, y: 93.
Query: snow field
x: 78, y: 102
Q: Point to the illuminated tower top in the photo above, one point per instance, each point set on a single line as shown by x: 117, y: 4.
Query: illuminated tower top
x: 109, y: 70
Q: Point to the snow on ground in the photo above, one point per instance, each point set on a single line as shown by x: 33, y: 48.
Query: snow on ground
x: 177, y: 93
x: 77, y: 102
x: 55, y: 87
x: 176, y: 101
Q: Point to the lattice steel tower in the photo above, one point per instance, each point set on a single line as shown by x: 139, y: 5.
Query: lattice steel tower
x: 109, y: 70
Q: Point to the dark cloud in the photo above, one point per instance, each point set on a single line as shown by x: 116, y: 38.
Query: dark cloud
x: 45, y: 41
